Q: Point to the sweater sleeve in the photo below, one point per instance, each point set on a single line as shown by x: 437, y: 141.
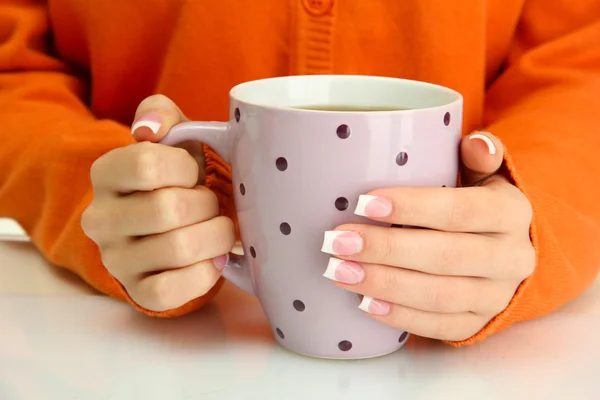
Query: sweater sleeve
x: 48, y: 141
x: 545, y: 107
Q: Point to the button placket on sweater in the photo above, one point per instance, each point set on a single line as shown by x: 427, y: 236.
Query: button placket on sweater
x: 314, y: 37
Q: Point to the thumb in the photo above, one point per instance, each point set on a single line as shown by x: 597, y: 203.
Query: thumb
x: 154, y: 117
x: 481, y: 155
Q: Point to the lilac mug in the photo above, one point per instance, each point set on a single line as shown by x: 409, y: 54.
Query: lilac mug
x: 298, y: 172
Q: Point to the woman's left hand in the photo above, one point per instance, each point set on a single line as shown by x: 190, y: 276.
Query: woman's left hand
x: 449, y: 278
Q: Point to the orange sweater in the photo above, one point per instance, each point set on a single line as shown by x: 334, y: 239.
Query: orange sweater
x: 73, y: 71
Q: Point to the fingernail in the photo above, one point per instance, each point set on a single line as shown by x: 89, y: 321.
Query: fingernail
x: 151, y: 121
x: 347, y: 272
x: 373, y: 206
x: 490, y: 145
x: 374, y: 306
x: 220, y: 261
x: 342, y: 243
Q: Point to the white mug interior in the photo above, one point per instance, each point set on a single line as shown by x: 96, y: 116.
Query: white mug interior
x: 344, y: 90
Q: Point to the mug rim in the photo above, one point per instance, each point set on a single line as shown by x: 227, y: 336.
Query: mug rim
x: 235, y: 94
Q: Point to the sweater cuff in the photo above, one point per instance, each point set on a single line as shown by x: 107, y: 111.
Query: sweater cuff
x: 218, y: 179
x: 514, y: 311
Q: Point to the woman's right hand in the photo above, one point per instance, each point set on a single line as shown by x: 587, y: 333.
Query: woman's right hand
x: 158, y: 229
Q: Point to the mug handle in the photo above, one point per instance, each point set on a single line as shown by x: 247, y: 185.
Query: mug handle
x: 219, y: 137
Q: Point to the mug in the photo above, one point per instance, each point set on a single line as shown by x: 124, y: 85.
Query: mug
x: 298, y: 172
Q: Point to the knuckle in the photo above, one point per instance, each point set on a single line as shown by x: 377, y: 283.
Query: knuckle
x: 96, y: 171
x: 524, y: 262
x: 168, y: 208
x: 103, y: 166
x: 160, y: 292
x: 525, y: 211
x: 87, y: 222
x: 94, y: 224
x: 147, y: 164
x: 179, y: 248
x: 517, y: 207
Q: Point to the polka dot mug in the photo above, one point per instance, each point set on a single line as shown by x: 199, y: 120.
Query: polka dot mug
x: 298, y: 172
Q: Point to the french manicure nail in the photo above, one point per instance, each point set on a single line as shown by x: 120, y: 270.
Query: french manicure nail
x: 342, y: 243
x: 151, y: 121
x: 220, y: 261
x: 490, y: 145
x: 374, y: 306
x: 347, y: 272
x: 373, y: 206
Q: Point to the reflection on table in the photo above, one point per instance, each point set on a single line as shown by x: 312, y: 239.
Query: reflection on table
x: 58, y: 340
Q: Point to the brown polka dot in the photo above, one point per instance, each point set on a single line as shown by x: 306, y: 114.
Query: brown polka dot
x: 443, y: 185
x: 279, y: 333
x: 299, y: 305
x: 285, y: 228
x: 252, y: 251
x: 343, y: 131
x: 242, y: 189
x: 281, y: 164
x: 402, y: 158
x: 447, y: 119
x: 237, y: 114
x: 341, y: 203
x: 403, y: 337
x: 345, y: 345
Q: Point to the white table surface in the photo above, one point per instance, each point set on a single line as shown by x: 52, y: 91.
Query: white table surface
x: 10, y: 230
x: 61, y: 340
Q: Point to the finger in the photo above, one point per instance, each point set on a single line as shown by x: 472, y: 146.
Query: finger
x: 154, y: 117
x: 174, y: 249
x: 418, y: 290
x: 482, y: 209
x: 143, y: 167
x: 429, y: 251
x: 159, y: 211
x: 481, y: 155
x: 440, y: 326
x: 174, y: 288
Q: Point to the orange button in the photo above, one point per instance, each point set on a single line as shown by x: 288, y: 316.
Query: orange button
x: 318, y: 7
